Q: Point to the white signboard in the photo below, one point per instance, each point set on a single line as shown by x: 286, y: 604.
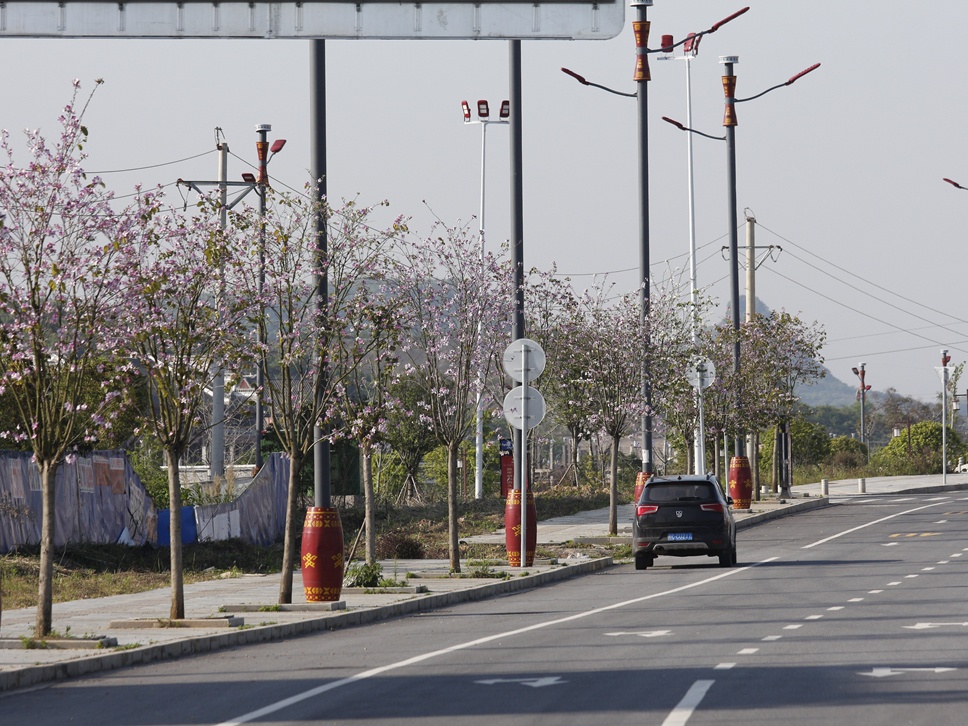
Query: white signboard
x: 380, y: 19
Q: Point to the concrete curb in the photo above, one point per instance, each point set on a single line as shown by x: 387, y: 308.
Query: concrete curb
x: 33, y: 675
x: 795, y: 508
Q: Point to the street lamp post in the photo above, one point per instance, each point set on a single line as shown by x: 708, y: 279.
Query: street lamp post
x: 730, y: 122
x: 264, y: 153
x: 690, y: 49
x: 640, y: 28
x: 483, y: 118
x: 860, y: 372
x: 943, y: 373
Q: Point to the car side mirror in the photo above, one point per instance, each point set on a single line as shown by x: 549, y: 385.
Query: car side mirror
x: 729, y: 501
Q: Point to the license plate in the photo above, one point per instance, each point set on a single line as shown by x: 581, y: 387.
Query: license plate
x: 680, y: 537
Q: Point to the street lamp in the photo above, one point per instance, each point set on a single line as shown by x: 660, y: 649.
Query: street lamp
x: 690, y: 49
x: 860, y: 372
x: 642, y: 75
x: 943, y: 373
x: 262, y: 186
x: 730, y: 122
x: 483, y: 118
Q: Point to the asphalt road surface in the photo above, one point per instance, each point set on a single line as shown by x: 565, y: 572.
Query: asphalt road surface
x: 853, y: 614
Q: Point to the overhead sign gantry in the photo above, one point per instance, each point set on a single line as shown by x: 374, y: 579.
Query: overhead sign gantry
x: 371, y: 19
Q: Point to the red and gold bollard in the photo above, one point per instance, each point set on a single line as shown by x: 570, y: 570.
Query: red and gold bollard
x: 740, y: 482
x: 512, y: 529
x: 322, y: 554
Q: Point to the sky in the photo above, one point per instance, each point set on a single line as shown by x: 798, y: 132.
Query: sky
x: 842, y: 170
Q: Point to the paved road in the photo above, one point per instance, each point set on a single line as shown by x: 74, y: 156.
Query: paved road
x: 207, y: 602
x: 847, y: 614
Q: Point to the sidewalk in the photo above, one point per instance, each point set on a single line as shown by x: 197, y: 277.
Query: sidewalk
x: 236, y: 611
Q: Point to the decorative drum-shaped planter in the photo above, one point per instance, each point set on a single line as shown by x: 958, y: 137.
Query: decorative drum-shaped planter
x: 640, y: 481
x: 322, y: 554
x: 740, y: 482
x: 512, y: 529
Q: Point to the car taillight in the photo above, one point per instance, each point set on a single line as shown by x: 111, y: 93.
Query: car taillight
x: 645, y: 509
x: 711, y: 507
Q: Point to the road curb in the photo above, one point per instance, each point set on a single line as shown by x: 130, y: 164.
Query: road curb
x: 794, y: 508
x: 86, y: 665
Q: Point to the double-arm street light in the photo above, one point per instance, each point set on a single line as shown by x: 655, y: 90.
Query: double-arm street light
x: 641, y: 76
x: 730, y: 122
x: 484, y: 119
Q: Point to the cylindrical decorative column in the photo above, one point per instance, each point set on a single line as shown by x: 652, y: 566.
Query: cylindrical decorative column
x: 512, y: 529
x: 322, y: 554
x: 740, y: 482
x: 640, y: 481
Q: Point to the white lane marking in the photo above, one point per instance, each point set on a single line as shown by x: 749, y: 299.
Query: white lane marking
x: 892, y: 584
x: 836, y: 607
x: 724, y: 666
x: 927, y: 626
x: 645, y: 633
x: 905, y: 499
x: 882, y: 672
x: 926, y: 569
x: 793, y: 627
x: 909, y: 577
x: 771, y: 638
x: 813, y: 617
x: 856, y: 599
x: 748, y: 651
x: 683, y: 710
x: 874, y: 592
x: 533, y: 682
x: 333, y: 685
x: 942, y: 521
x: 869, y: 524
x: 890, y: 544
x: 944, y: 562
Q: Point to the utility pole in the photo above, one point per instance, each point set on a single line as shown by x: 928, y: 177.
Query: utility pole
x: 217, y: 458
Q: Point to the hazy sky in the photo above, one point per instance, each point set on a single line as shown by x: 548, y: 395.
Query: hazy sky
x: 843, y: 169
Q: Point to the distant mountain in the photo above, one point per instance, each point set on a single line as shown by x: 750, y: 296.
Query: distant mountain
x: 828, y: 391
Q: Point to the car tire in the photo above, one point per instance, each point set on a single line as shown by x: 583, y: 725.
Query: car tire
x: 642, y: 562
x: 727, y: 558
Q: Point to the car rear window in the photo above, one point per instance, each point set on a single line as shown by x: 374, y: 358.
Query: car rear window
x: 679, y: 492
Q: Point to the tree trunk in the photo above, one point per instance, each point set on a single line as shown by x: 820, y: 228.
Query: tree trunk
x: 613, y: 488
x: 452, y: 506
x: 45, y: 590
x: 177, y: 610
x: 289, y: 538
x: 369, y: 502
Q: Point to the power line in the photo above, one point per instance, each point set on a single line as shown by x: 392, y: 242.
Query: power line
x: 153, y: 166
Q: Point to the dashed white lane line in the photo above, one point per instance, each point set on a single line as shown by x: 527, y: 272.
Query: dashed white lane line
x: 683, y: 710
x: 724, y: 666
x: 892, y: 584
x: 874, y: 592
x: 836, y: 607
x: 944, y: 562
x: 856, y: 599
x: 813, y: 617
x: 793, y: 627
x: 748, y: 651
x: 909, y: 577
x: 926, y: 569
x: 770, y: 638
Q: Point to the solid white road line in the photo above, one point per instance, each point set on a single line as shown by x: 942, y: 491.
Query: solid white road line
x: 869, y: 524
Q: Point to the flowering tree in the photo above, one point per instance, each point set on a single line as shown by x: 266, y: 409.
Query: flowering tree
x: 59, y: 307
x: 349, y: 330
x: 556, y: 321
x: 365, y: 360
x: 458, y: 305
x: 190, y: 310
